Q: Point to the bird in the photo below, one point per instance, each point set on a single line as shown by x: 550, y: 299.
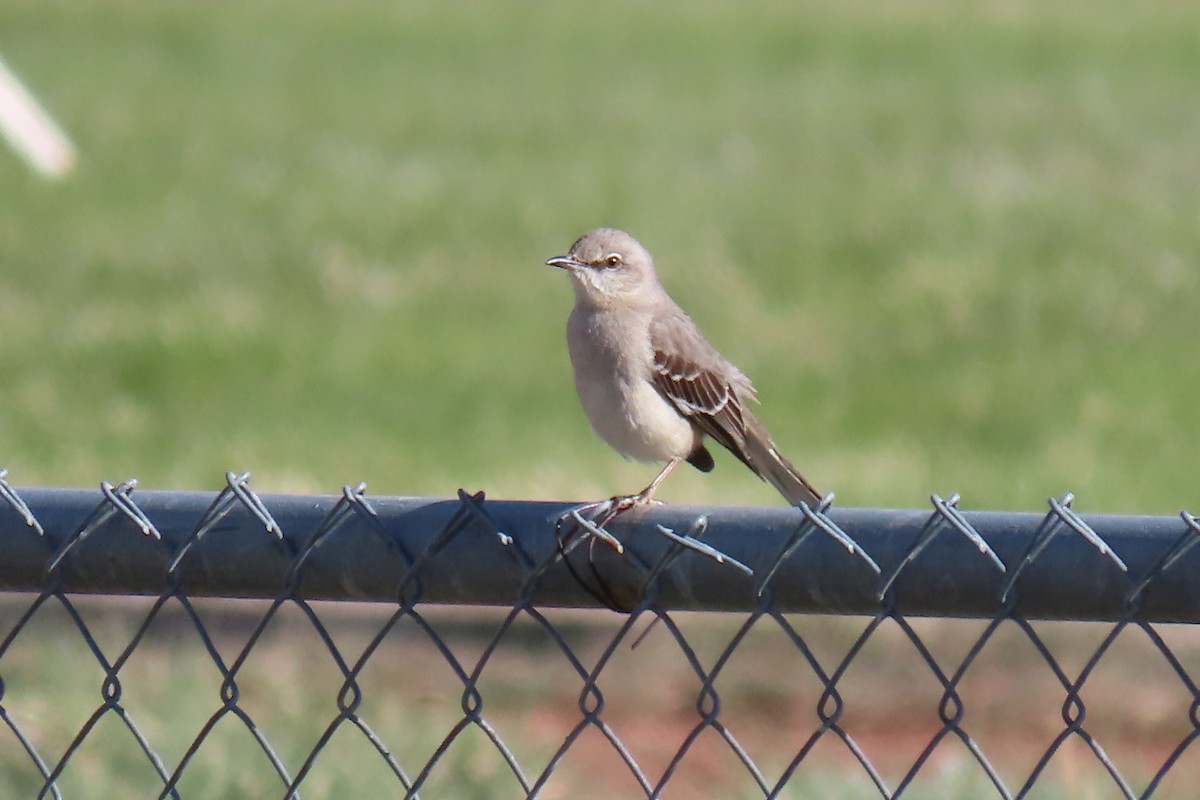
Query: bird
x: 651, y: 385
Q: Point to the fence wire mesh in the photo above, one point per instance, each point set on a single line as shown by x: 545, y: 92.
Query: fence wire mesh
x: 858, y: 652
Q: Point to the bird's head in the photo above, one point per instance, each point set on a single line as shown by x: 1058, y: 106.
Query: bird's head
x: 609, y: 266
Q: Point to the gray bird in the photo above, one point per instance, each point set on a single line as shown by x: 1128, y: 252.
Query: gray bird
x: 650, y: 384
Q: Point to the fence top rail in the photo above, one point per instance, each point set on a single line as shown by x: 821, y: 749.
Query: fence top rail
x: 1055, y: 564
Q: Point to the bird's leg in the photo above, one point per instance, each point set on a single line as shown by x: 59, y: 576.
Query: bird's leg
x: 607, y: 510
x: 645, y: 495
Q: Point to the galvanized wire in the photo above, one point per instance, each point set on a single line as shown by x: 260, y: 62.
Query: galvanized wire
x: 523, y: 559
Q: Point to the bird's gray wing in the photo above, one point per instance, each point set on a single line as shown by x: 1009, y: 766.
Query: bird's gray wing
x: 699, y: 382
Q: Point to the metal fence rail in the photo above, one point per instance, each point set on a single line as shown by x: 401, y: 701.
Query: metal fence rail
x: 525, y: 559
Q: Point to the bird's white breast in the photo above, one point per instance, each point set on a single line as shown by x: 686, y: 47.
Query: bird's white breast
x: 613, y: 366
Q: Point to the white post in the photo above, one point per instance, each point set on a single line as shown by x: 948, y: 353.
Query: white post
x: 30, y: 130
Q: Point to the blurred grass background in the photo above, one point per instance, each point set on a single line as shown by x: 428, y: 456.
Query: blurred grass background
x: 954, y: 244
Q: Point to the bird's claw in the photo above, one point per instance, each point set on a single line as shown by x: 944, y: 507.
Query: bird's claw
x: 591, y: 518
x: 624, y: 502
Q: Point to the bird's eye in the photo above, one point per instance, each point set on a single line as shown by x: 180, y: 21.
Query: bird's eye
x: 612, y: 260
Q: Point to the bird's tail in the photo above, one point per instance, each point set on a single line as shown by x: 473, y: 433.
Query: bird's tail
x: 771, y: 466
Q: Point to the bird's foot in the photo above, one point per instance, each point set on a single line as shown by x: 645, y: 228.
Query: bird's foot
x: 583, y: 522
x: 624, y: 502
x: 590, y: 519
x: 613, y: 507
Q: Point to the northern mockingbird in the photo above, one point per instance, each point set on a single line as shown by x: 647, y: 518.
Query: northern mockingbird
x: 650, y: 383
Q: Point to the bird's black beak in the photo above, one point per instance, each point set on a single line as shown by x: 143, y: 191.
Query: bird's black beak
x: 564, y: 262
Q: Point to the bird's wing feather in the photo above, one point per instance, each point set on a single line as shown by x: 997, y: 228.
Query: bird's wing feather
x: 699, y: 382
x: 712, y: 393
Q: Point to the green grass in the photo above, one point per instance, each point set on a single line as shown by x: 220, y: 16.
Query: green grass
x: 954, y: 245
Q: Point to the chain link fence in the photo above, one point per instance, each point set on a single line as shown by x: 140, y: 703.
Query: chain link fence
x: 177, y: 644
